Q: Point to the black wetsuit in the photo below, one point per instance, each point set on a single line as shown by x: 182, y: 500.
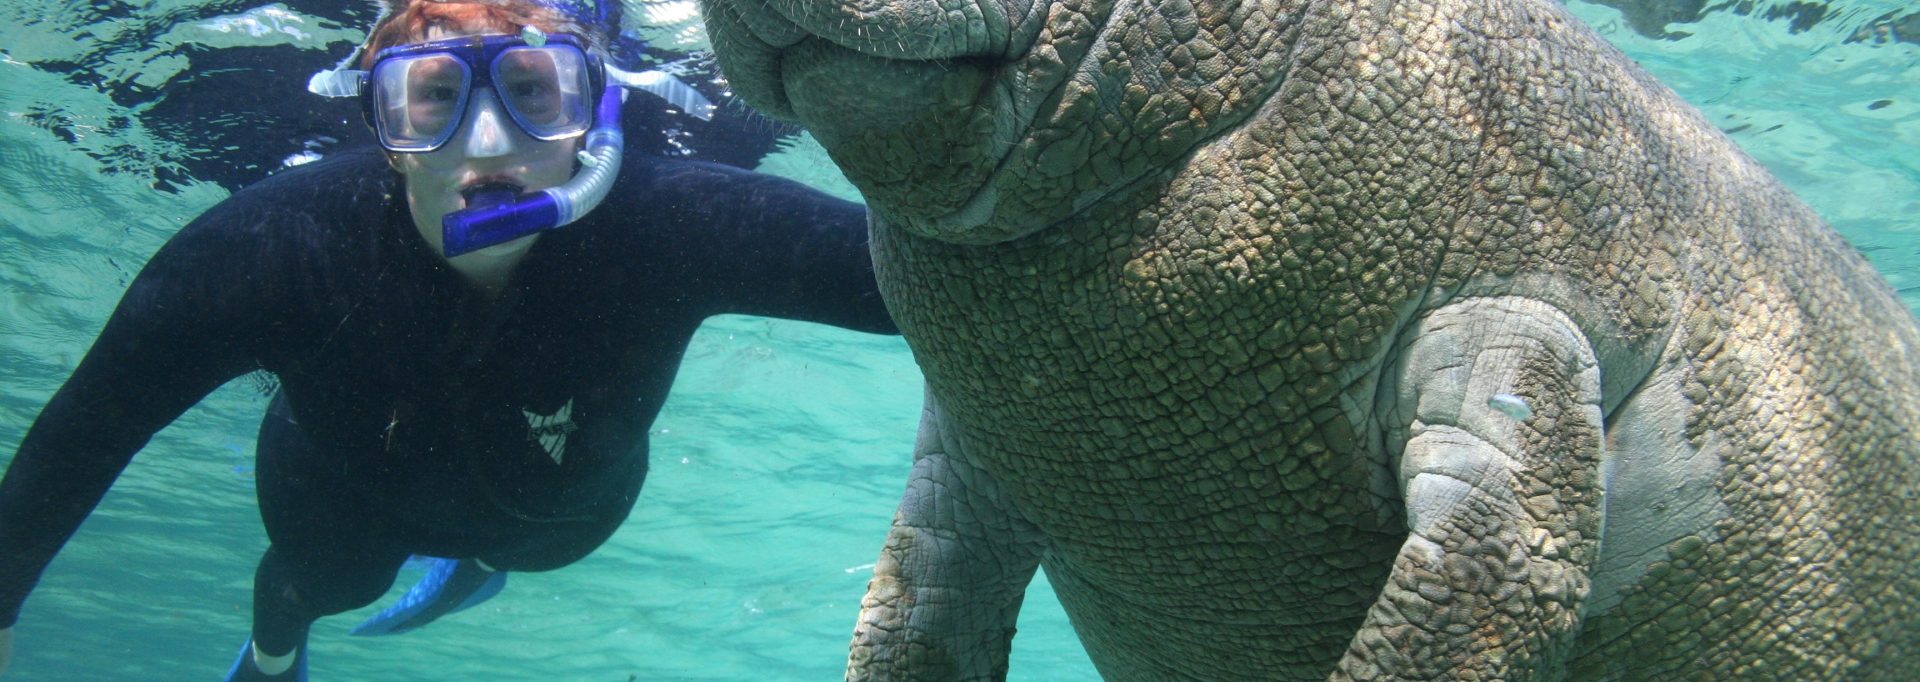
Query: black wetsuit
x: 414, y: 415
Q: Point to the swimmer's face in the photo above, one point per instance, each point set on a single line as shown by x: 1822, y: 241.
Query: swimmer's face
x: 488, y: 150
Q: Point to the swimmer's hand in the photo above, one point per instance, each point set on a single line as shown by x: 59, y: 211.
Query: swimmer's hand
x: 6, y: 648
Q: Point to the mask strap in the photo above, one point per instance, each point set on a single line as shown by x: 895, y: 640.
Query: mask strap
x: 666, y: 86
x: 341, y: 80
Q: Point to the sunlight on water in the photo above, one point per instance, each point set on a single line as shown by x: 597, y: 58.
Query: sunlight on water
x: 779, y: 458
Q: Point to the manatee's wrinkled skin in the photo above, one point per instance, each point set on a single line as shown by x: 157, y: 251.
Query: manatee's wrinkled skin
x: 1216, y: 302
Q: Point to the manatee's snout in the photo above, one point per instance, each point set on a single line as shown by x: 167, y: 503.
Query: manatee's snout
x: 896, y: 29
x: 756, y: 38
x: 909, y: 97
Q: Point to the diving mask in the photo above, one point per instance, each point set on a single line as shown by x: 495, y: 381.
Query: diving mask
x: 416, y: 96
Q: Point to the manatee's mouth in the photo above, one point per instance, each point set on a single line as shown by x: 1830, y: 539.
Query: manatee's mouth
x: 907, y: 30
x: 758, y: 39
x: 873, y: 88
x: 924, y: 110
x: 924, y: 139
x: 847, y: 86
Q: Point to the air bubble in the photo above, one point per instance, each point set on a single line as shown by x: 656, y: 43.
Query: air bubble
x: 534, y: 37
x: 1511, y: 405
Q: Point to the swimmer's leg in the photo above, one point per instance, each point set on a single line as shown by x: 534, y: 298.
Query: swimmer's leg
x: 290, y: 594
x: 450, y: 585
x: 327, y: 554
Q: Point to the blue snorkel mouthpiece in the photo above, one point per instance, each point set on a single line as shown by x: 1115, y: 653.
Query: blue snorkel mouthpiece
x: 498, y: 216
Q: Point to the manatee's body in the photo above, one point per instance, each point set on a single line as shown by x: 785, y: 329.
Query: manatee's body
x: 1382, y: 340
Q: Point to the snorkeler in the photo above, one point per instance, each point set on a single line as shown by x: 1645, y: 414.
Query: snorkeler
x: 457, y: 377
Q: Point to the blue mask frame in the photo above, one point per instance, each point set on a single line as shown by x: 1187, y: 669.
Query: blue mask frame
x: 479, y: 53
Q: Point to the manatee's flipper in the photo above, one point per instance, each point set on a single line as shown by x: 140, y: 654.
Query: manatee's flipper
x: 450, y: 585
x: 1499, y: 398
x: 244, y: 670
x: 957, y: 538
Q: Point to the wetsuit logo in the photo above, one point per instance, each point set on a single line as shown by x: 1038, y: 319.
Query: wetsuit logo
x: 551, y: 430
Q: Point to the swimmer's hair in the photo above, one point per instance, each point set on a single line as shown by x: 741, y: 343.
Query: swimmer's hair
x: 411, y: 21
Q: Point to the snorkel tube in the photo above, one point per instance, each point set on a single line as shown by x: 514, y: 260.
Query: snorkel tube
x: 493, y: 218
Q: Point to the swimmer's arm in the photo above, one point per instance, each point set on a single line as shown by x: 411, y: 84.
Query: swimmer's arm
x: 773, y: 247
x: 175, y: 336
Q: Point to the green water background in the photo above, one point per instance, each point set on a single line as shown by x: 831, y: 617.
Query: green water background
x: 784, y: 446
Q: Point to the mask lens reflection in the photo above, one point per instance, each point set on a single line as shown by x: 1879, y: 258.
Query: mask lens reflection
x: 419, y: 99
x: 544, y: 89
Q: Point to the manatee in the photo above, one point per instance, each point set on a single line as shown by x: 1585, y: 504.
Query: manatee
x: 1373, y: 340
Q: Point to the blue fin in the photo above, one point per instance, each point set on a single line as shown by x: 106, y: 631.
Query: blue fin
x: 450, y: 585
x: 243, y: 670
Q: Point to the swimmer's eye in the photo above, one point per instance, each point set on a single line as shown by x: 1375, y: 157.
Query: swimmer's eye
x: 440, y: 94
x: 529, y: 89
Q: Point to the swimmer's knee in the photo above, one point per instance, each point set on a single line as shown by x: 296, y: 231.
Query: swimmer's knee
x: 526, y: 563
x: 316, y: 589
x: 548, y: 558
x: 557, y: 550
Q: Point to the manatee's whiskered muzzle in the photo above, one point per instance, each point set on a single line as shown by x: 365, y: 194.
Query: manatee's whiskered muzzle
x: 922, y: 103
x: 913, y: 30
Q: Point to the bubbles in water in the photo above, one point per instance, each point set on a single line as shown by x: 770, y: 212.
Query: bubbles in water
x: 1511, y: 405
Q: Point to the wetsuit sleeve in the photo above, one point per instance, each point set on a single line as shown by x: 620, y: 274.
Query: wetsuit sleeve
x: 182, y: 329
x: 768, y: 246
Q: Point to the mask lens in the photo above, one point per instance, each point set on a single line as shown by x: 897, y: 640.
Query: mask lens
x: 545, y: 89
x: 418, y: 100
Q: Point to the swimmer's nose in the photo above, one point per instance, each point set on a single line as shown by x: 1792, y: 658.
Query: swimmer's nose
x: 488, y: 134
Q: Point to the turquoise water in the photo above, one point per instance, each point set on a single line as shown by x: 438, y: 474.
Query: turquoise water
x: 784, y: 446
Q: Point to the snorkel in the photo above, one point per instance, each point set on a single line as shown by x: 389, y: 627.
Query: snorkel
x: 498, y: 216
x: 491, y: 219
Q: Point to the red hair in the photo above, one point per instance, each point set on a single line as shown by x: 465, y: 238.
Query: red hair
x: 411, y: 21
